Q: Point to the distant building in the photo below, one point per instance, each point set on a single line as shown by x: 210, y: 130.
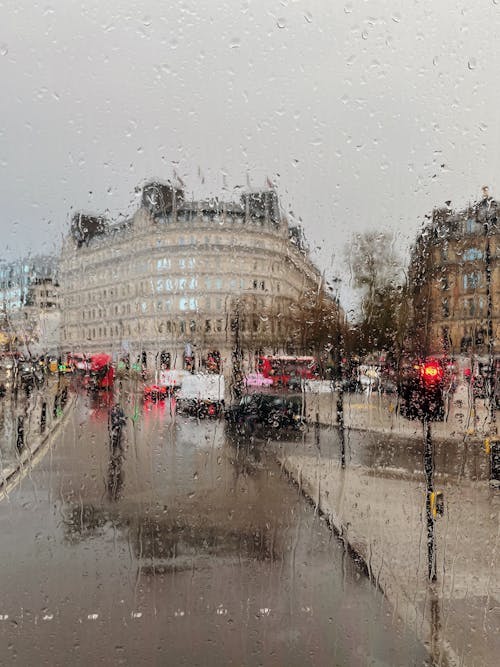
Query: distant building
x: 29, y: 304
x: 182, y: 282
x: 449, y: 280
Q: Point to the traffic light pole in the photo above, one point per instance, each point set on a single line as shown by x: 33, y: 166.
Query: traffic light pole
x: 429, y: 482
x: 340, y: 422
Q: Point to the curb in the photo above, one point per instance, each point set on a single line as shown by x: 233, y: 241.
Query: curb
x: 477, y: 438
x: 10, y: 474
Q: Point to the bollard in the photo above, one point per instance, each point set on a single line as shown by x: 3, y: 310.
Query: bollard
x: 43, y: 418
x: 494, y: 450
x: 20, y: 433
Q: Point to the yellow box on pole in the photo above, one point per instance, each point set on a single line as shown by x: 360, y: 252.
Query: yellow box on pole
x: 437, y: 503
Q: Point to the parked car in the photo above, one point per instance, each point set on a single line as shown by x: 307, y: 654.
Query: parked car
x: 79, y: 363
x: 155, y: 392
x: 30, y: 373
x: 9, y: 362
x: 266, y: 413
x: 369, y: 377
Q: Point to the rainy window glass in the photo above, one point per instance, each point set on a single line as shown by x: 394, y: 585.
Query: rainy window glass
x: 249, y: 333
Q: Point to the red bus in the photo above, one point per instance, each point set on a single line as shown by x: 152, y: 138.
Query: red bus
x: 101, y: 372
x: 281, y: 368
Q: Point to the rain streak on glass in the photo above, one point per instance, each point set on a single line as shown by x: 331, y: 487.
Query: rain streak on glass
x: 249, y: 333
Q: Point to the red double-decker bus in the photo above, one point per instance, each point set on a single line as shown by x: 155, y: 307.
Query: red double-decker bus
x: 101, y: 372
x: 282, y: 369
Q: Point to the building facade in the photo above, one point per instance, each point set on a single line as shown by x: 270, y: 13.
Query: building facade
x: 182, y: 283
x: 29, y: 301
x: 455, y: 281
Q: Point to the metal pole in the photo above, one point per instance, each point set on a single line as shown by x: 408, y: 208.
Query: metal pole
x: 490, y: 383
x: 340, y: 422
x: 237, y: 372
x: 340, y: 395
x: 429, y: 482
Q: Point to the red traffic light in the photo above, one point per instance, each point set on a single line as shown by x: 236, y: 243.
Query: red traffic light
x: 431, y: 372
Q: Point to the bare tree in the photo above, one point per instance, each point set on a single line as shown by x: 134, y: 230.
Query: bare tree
x: 378, y: 271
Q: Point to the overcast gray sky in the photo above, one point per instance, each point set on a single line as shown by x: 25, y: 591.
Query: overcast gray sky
x: 365, y: 114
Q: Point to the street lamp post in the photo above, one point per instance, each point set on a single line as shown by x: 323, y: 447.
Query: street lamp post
x: 489, y: 222
x: 339, y: 358
x: 236, y: 352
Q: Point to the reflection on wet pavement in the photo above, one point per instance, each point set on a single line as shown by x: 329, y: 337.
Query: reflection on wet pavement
x: 180, y: 545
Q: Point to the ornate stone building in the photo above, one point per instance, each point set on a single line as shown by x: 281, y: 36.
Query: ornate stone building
x: 29, y: 303
x: 455, y: 281
x: 183, y: 282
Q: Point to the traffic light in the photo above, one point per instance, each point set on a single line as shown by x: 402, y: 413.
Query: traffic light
x: 431, y: 373
x: 431, y: 390
x: 421, y: 391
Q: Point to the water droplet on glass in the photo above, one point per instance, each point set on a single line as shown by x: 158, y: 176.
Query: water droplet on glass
x: 348, y: 9
x: 472, y: 63
x: 235, y: 44
x: 396, y: 18
x: 4, y: 49
x: 281, y: 23
x: 308, y: 17
x: 364, y: 35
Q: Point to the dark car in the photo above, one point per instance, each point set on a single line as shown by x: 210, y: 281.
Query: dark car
x: 266, y: 413
x: 30, y: 373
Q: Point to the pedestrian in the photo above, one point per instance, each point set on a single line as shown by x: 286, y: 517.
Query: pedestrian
x: 117, y: 420
x: 173, y: 404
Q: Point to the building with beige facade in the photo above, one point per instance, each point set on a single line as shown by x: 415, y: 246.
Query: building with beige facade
x: 183, y: 282
x: 455, y: 281
x: 29, y: 305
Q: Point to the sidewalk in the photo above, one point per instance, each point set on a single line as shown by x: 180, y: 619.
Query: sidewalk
x: 382, y: 518
x: 15, y: 459
x: 379, y: 412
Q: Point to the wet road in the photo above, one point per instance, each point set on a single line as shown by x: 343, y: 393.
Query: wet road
x: 178, y: 549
